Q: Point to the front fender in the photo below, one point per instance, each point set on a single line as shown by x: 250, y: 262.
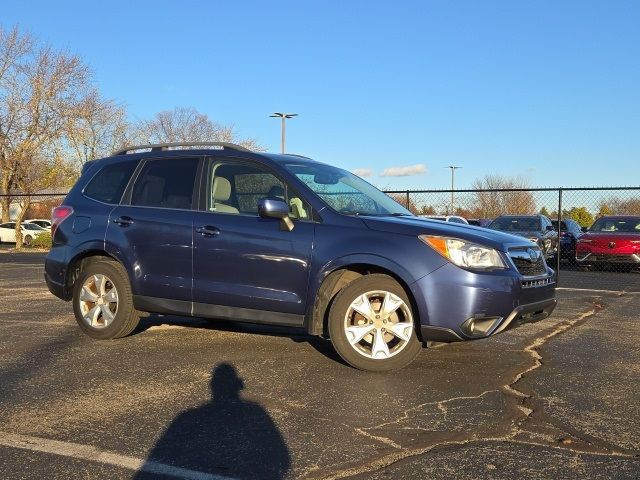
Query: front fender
x: 361, y: 259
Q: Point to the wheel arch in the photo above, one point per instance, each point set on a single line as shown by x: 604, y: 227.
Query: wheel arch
x: 337, y: 275
x: 80, y: 261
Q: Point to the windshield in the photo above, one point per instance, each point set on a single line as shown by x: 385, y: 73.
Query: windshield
x: 31, y: 226
x: 345, y: 192
x: 516, y: 224
x: 619, y: 224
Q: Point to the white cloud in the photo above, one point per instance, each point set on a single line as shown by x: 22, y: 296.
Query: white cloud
x: 407, y: 171
x: 363, y: 172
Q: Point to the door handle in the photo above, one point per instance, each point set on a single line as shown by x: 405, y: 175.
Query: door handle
x: 123, y: 221
x: 208, y: 231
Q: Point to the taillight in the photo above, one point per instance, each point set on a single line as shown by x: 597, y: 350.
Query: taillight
x: 58, y: 215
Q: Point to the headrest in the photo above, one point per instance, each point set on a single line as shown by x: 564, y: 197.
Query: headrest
x: 276, y: 192
x: 221, y: 189
x: 153, y: 189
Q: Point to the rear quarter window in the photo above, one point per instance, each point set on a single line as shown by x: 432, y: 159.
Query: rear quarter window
x: 109, y: 183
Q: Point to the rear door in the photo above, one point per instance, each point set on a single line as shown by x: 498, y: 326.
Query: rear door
x: 244, y: 261
x: 152, y: 229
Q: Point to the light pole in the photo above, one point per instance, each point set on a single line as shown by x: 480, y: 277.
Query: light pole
x: 284, y: 117
x: 453, y: 171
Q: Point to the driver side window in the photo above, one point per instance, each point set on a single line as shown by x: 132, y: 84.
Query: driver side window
x: 236, y: 188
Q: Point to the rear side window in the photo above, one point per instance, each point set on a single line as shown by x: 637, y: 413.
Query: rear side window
x: 109, y: 183
x: 166, y: 183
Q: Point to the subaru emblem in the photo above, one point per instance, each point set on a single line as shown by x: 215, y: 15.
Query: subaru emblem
x: 533, y: 255
x: 612, y: 244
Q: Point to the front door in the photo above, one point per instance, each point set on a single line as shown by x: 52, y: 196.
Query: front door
x: 247, y: 267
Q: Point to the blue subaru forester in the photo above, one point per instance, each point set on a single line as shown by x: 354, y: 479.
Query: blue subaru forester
x: 217, y: 231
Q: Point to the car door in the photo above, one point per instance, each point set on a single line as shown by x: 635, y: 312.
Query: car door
x: 153, y: 229
x: 246, y: 266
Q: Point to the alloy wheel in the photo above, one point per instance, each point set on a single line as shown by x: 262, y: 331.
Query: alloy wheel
x: 98, y: 301
x: 378, y: 324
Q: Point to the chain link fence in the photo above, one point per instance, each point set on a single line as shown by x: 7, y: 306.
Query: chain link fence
x: 593, y: 242
x: 35, y: 211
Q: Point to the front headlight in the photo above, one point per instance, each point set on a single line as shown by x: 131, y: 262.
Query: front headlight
x: 465, y: 254
x: 534, y: 240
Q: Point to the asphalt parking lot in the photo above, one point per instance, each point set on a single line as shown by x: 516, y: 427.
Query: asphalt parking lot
x: 199, y: 399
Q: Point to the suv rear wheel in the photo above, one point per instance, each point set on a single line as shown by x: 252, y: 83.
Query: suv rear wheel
x: 102, y: 301
x: 371, y: 324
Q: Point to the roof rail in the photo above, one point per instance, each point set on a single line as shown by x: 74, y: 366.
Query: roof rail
x: 297, y: 155
x: 161, y: 147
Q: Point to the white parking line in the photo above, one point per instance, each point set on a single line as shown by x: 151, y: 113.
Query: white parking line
x: 93, y: 454
x: 617, y: 292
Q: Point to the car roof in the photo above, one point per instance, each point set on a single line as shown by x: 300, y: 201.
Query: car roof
x: 269, y: 158
x: 612, y: 217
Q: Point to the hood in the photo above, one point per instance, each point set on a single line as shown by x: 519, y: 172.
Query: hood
x: 525, y: 233
x: 602, y: 239
x: 419, y: 226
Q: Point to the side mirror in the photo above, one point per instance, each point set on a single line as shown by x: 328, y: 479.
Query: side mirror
x: 275, y: 208
x: 550, y: 228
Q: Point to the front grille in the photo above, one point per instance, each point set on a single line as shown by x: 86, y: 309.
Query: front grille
x: 613, y: 258
x: 528, y: 268
x: 524, y: 258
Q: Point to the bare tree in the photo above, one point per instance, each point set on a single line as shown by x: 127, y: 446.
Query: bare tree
x: 186, y: 124
x: 494, y: 199
x: 616, y: 205
x: 14, y: 47
x: 98, y: 127
x: 40, y: 90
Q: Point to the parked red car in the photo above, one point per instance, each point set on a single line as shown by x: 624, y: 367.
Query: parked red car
x: 611, y: 240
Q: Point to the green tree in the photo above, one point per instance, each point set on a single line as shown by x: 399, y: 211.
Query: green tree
x: 605, y: 209
x: 581, y: 215
x: 544, y: 211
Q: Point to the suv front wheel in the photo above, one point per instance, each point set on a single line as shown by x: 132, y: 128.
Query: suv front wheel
x: 102, y: 301
x: 371, y: 324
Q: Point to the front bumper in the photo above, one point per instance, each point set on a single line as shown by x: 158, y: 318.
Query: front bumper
x: 591, y: 258
x: 455, y: 304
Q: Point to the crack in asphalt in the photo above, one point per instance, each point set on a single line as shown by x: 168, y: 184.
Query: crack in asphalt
x: 514, y: 431
x: 385, y: 440
x: 387, y: 460
x: 531, y: 349
x: 440, y: 405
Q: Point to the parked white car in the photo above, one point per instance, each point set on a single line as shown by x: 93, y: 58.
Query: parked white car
x: 41, y: 222
x: 446, y: 218
x: 29, y: 232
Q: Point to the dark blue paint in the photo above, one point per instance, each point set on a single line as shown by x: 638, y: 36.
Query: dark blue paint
x: 155, y: 248
x: 252, y: 263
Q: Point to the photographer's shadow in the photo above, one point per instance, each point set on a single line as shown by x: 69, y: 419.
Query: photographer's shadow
x: 228, y: 436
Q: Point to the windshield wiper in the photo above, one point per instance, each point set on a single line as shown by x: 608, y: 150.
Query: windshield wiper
x: 400, y: 214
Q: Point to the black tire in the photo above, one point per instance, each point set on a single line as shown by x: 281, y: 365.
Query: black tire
x: 337, y: 320
x: 126, y: 316
x: 28, y: 240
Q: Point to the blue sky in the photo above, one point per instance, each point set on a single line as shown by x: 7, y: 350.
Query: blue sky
x: 549, y: 90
